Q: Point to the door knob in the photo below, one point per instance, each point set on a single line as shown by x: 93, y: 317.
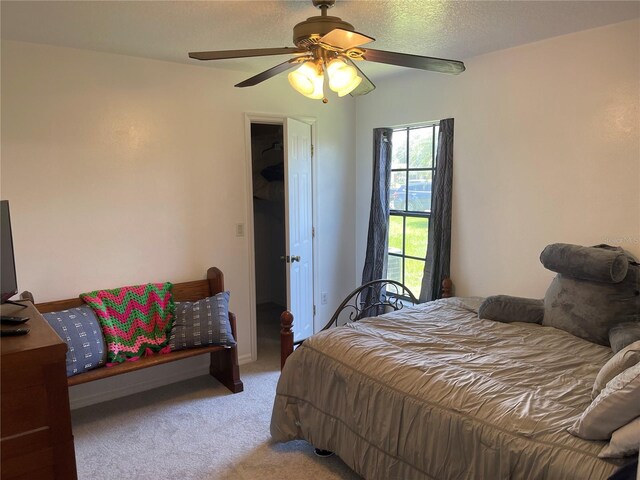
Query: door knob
x: 295, y: 258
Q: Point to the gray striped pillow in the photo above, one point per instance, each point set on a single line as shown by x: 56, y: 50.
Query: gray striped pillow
x: 81, y: 331
x: 202, y: 323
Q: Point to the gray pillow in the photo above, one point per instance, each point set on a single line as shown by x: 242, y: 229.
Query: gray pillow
x: 506, y: 309
x: 80, y: 329
x: 623, y: 335
x: 625, y: 358
x: 601, y: 263
x: 589, y: 309
x: 616, y: 405
x: 201, y: 323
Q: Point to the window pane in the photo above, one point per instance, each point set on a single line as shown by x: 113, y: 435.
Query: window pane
x: 399, y: 149
x: 395, y: 234
x: 420, y: 191
x: 421, y: 147
x: 413, y: 275
x: 416, y: 236
x: 394, y: 268
x: 398, y: 191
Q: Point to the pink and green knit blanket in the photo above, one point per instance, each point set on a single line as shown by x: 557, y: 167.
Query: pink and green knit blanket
x: 135, y: 321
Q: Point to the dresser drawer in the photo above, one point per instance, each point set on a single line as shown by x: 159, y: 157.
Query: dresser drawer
x: 36, y: 441
x: 28, y: 455
x: 23, y: 410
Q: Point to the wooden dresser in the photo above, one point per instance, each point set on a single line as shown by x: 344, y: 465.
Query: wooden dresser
x: 36, y: 439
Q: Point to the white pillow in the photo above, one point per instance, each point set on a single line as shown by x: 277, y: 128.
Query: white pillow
x: 625, y: 358
x: 624, y: 441
x: 617, y: 404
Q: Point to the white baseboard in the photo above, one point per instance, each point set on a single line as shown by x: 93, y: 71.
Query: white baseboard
x: 139, y: 381
x: 246, y: 358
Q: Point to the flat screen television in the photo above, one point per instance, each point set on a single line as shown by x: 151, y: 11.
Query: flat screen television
x: 9, y: 283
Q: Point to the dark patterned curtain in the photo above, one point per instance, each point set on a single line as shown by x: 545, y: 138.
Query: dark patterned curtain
x: 375, y: 263
x: 436, y: 267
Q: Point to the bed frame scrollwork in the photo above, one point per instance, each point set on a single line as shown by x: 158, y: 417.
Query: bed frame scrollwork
x: 368, y: 300
x: 372, y: 299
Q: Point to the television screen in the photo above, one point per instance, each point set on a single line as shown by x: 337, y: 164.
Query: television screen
x: 9, y: 284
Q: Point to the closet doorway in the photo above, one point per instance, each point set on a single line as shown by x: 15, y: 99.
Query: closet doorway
x: 282, y: 201
x: 269, y: 244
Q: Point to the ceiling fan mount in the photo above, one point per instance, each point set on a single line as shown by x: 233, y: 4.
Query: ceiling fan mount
x: 323, y: 4
x: 329, y: 45
x: 310, y: 31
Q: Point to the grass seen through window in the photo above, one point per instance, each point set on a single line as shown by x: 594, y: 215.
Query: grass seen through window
x: 415, y: 245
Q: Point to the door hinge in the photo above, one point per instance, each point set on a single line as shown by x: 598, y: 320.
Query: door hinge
x: 314, y: 310
x: 313, y: 232
x: 312, y: 150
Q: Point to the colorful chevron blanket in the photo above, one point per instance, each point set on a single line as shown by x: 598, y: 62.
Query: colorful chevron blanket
x: 136, y: 321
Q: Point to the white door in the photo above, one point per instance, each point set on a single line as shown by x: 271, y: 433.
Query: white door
x: 299, y: 226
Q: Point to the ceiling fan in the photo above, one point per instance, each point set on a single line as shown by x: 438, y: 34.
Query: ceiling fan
x: 329, y: 45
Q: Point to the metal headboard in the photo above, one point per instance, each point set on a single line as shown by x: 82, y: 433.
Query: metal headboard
x: 368, y: 300
x: 372, y: 299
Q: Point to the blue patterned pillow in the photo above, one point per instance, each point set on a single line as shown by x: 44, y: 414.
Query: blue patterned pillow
x: 201, y: 323
x: 80, y: 329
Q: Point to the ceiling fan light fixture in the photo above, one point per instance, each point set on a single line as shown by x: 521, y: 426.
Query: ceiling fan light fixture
x: 328, y: 43
x: 307, y: 80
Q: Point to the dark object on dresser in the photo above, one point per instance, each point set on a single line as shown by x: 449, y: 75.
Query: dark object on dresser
x: 224, y: 359
x: 36, y: 424
x: 9, y: 283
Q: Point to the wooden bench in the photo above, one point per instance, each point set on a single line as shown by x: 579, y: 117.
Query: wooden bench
x: 224, y: 360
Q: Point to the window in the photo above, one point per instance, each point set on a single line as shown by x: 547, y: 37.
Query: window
x: 412, y: 168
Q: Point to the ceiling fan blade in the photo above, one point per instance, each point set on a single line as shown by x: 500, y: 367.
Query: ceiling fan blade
x: 344, y: 39
x: 365, y: 86
x: 252, y: 52
x: 267, y: 74
x: 452, y: 67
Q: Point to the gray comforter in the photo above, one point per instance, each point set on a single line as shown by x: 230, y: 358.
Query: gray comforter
x: 433, y: 392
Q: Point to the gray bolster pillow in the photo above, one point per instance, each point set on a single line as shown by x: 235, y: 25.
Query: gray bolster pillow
x: 506, y: 309
x: 601, y: 263
x: 624, y: 334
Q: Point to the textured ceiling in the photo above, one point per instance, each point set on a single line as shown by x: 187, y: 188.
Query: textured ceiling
x: 168, y: 30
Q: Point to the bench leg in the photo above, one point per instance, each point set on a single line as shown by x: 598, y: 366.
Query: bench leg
x: 224, y: 367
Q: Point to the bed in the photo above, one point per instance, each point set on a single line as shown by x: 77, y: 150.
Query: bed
x: 433, y: 392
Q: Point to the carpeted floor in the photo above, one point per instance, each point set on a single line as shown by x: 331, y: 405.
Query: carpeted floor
x: 196, y: 429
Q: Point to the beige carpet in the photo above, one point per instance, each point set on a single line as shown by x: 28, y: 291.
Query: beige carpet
x: 196, y: 429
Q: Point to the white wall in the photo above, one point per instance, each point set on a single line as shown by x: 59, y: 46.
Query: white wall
x: 122, y: 170
x: 546, y: 150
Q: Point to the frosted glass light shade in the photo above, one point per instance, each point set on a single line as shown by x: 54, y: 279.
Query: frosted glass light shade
x: 307, y: 80
x: 350, y: 87
x: 343, y: 78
